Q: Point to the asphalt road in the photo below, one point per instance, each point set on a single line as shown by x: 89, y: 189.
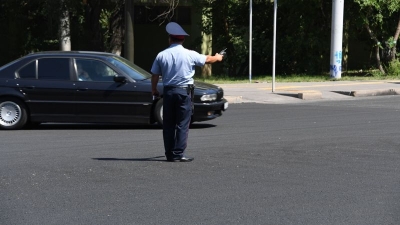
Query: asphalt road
x: 313, y: 163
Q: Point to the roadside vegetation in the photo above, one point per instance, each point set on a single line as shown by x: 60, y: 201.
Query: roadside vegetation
x: 294, y: 78
x: 392, y: 74
x: 371, y: 31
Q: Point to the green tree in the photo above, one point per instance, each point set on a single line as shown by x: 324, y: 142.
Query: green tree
x: 381, y: 18
x: 26, y: 27
x: 116, y: 26
x: 303, y: 38
x: 228, y: 22
x: 303, y: 34
x: 31, y: 26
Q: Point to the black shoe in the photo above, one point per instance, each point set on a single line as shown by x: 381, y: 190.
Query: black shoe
x: 183, y: 159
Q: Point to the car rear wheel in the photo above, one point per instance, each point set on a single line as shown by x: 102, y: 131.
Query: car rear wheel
x: 12, y: 114
x: 158, y: 112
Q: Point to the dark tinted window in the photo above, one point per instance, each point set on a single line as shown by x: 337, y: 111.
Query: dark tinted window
x: 28, y: 71
x: 54, y: 69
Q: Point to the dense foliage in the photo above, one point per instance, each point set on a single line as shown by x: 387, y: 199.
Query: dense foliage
x: 303, y: 33
x: 371, y: 32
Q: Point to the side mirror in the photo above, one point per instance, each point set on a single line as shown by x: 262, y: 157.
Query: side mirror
x: 119, y: 79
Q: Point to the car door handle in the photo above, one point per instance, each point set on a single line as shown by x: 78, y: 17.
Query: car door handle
x: 82, y: 89
x: 30, y: 87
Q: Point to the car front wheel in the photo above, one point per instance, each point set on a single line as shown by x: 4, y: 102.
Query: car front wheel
x: 13, y: 114
x: 158, y: 113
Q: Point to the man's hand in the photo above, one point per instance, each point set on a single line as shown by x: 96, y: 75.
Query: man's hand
x: 219, y: 56
x: 155, y: 93
x: 212, y: 59
x: 154, y: 81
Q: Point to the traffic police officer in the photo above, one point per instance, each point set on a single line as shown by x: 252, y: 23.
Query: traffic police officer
x: 176, y: 65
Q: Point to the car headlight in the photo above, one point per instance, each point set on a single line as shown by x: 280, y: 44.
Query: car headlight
x: 208, y: 98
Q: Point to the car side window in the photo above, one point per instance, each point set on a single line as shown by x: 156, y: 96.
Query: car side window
x: 53, y: 69
x: 83, y: 70
x: 103, y: 71
x: 94, y: 70
x: 28, y: 71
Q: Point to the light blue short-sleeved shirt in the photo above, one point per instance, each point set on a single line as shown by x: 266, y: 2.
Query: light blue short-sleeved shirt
x: 176, y: 65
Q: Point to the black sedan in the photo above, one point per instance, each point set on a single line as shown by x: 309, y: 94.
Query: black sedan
x: 88, y: 87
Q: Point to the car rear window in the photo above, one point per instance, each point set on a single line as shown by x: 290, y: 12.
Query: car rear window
x: 28, y: 71
x: 47, y: 69
x: 54, y: 69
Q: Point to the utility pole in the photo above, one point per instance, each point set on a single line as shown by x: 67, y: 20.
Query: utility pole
x: 274, y: 47
x: 250, y: 40
x: 336, y: 39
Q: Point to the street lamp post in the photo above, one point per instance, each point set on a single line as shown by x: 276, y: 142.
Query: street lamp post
x: 336, y: 39
x: 274, y: 47
x: 250, y: 40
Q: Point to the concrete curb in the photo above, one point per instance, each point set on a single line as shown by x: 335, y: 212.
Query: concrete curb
x: 234, y: 99
x: 309, y: 95
x: 305, y: 95
x: 366, y: 93
x: 308, y: 91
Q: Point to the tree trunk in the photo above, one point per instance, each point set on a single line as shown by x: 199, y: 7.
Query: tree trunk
x: 116, y: 28
x: 346, y: 36
x: 95, y: 37
x: 377, y: 55
x: 226, y: 34
x: 378, y: 60
x: 395, y: 38
x: 65, y: 34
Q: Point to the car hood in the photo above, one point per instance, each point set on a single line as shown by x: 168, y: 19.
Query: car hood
x: 205, y: 86
x: 200, y: 87
x: 198, y: 84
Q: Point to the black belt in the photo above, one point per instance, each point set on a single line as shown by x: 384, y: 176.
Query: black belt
x: 180, y: 86
x: 190, y: 91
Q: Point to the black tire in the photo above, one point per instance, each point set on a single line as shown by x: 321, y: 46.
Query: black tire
x: 13, y: 114
x: 158, y: 112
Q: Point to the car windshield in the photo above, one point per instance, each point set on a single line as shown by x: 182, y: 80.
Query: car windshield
x: 129, y: 68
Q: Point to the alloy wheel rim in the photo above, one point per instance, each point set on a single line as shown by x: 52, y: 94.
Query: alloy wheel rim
x: 161, y: 112
x: 10, y: 113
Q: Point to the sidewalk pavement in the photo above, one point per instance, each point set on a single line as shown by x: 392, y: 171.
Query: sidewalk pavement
x: 299, y: 92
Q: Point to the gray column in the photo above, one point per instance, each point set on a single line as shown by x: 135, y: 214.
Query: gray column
x: 336, y: 39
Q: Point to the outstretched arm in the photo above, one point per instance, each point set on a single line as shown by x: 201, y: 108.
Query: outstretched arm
x: 212, y: 59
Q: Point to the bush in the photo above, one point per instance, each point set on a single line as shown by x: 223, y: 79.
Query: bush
x: 394, y: 68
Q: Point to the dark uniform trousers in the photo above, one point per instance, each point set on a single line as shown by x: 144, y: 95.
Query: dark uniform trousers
x: 177, y: 111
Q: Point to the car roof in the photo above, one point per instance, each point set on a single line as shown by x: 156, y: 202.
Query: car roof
x: 71, y: 53
x: 34, y: 55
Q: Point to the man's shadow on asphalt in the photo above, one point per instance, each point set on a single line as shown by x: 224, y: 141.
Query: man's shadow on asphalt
x: 156, y: 159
